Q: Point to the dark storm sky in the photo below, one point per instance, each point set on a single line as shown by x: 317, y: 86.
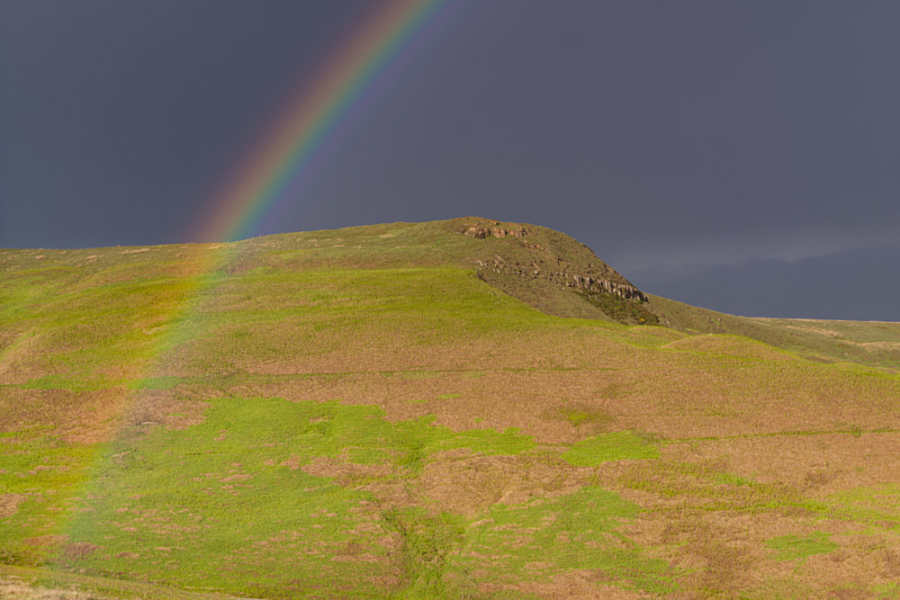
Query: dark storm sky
x: 737, y: 155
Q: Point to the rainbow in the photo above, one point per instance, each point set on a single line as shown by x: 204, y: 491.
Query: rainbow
x: 294, y: 136
x: 278, y: 156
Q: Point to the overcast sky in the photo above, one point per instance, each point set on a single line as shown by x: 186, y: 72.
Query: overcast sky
x: 737, y: 155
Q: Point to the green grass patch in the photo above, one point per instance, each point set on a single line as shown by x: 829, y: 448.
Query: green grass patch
x: 887, y: 591
x: 579, y: 415
x: 878, y: 504
x: 58, y: 382
x: 44, y: 475
x: 607, y: 447
x: 428, y: 543
x: 578, y: 531
x: 792, y: 547
x: 164, y: 382
x: 227, y: 505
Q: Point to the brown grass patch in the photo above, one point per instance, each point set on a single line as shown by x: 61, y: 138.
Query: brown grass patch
x: 461, y: 482
x: 496, y: 399
x: 78, y: 550
x: 13, y: 588
x: 166, y: 408
x: 20, y: 358
x: 9, y: 504
x: 293, y: 463
x: 76, y: 417
x: 723, y: 551
x: 875, y: 346
x: 816, y: 464
x: 726, y: 551
x: 47, y: 541
x: 344, y: 472
x: 574, y: 585
x: 675, y: 394
x: 372, y: 349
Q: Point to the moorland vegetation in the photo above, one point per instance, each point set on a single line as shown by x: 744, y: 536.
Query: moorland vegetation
x: 452, y: 409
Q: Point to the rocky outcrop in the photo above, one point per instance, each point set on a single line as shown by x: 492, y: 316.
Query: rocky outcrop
x: 588, y: 274
x: 481, y: 232
x: 582, y: 282
x: 484, y: 231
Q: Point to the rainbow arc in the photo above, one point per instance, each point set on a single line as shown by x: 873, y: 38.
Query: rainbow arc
x: 280, y: 154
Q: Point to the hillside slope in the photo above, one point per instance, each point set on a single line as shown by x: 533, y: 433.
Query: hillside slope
x: 383, y: 412
x: 875, y: 343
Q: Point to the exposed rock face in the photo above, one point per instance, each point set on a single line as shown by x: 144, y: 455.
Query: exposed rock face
x: 593, y: 278
x: 583, y: 282
x: 482, y: 232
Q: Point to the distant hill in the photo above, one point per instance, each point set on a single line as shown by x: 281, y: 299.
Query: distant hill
x: 454, y: 409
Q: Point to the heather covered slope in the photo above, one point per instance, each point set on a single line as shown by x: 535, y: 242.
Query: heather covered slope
x: 369, y: 412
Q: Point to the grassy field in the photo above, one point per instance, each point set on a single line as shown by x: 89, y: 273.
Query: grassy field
x: 367, y: 413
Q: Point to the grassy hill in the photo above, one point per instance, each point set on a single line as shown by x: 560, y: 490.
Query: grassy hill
x: 430, y: 410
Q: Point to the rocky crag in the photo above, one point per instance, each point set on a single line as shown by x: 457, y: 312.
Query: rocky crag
x: 596, y: 278
x: 522, y: 254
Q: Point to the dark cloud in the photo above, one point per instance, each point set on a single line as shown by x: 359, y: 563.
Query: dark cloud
x: 860, y: 283
x: 679, y: 140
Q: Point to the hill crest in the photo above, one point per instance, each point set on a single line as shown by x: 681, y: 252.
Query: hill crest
x: 546, y: 269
